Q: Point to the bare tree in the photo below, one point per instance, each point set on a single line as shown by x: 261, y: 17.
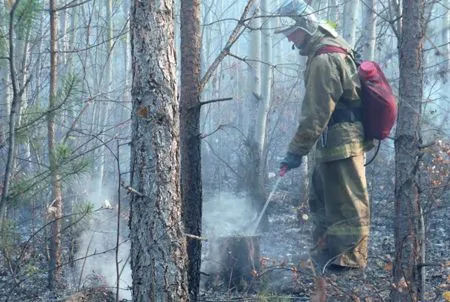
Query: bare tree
x: 408, y: 226
x: 158, y: 246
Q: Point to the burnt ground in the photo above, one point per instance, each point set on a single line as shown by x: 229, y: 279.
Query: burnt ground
x: 286, y: 275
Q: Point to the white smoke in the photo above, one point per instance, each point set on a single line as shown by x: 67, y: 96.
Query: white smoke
x: 227, y: 214
x: 97, y: 249
x: 224, y: 215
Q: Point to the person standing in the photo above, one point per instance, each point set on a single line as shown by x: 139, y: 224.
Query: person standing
x: 331, y: 124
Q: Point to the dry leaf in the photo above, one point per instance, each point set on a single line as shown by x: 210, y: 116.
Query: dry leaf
x: 446, y: 296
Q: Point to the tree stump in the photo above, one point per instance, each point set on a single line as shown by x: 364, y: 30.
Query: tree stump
x: 240, y: 257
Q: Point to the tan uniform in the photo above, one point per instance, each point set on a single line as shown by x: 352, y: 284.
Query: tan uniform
x: 339, y: 201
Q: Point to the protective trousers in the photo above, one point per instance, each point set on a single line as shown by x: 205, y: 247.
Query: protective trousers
x: 340, y: 211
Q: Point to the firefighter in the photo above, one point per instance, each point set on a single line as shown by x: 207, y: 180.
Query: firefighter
x: 331, y: 124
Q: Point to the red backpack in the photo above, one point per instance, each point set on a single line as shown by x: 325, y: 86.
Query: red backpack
x: 379, y: 105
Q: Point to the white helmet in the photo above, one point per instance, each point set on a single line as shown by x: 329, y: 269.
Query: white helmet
x: 296, y: 14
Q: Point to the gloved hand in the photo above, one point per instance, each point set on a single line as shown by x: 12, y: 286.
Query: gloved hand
x: 291, y: 161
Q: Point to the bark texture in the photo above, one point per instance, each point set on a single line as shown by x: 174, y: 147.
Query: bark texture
x: 369, y: 34
x: 349, y: 21
x: 158, y: 248
x: 54, y: 211
x: 191, y: 182
x: 253, y: 170
x: 5, y: 102
x: 408, y: 230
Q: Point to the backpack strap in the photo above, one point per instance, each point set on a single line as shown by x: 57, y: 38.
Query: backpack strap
x: 347, y: 114
x: 337, y: 49
x: 331, y: 49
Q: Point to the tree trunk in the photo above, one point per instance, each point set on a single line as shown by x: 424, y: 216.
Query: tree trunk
x: 349, y: 20
x: 126, y: 67
x: 191, y: 181
x: 263, y: 108
x: 332, y: 12
x: 5, y: 101
x: 22, y: 57
x: 239, y: 260
x: 5, y: 94
x: 408, y: 253
x: 158, y: 246
x: 251, y: 170
x: 266, y: 83
x: 369, y: 29
x: 446, y: 50
x: 54, y: 211
x: 15, y: 105
x: 104, y: 107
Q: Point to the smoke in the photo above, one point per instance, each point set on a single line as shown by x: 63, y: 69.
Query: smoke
x: 224, y: 215
x: 97, y: 249
x: 227, y: 214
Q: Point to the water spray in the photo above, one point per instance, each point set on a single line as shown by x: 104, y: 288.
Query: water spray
x: 282, y: 172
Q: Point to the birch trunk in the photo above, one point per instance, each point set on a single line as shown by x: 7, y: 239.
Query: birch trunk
x: 251, y: 169
x: 126, y: 64
x: 254, y: 71
x: 332, y: 12
x: 408, y: 227
x: 349, y: 21
x: 105, y: 108
x: 263, y: 110
x: 369, y: 29
x: 266, y: 85
x: 158, y: 246
x: 446, y: 51
x: 23, y: 57
x: 54, y: 211
x: 191, y: 180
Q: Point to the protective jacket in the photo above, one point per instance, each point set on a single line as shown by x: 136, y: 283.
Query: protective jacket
x: 331, y: 83
x: 339, y: 200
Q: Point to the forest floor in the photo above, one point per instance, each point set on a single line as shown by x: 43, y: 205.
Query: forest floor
x: 286, y: 274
